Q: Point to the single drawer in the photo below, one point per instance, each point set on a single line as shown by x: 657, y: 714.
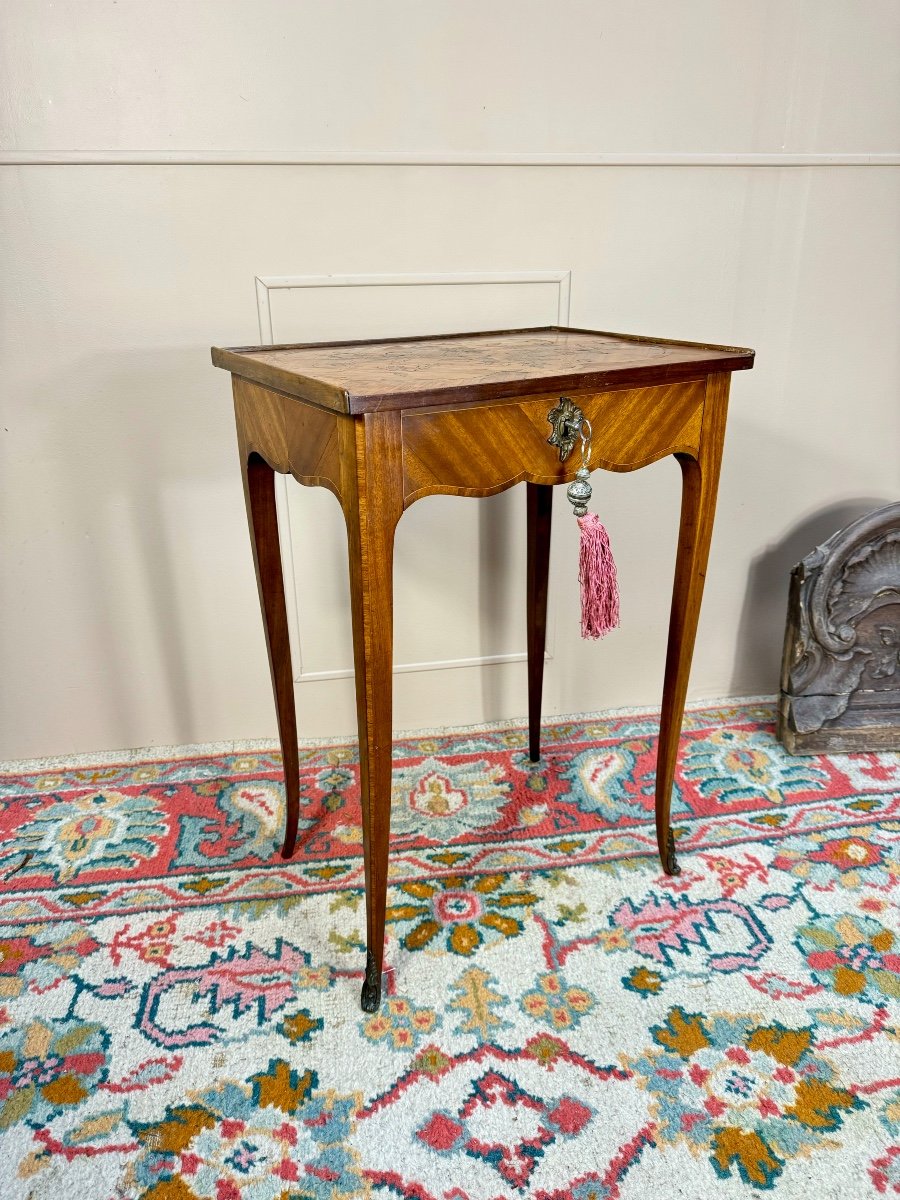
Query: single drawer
x: 480, y: 450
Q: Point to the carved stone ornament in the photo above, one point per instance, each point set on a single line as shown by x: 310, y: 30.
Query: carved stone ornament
x: 840, y: 672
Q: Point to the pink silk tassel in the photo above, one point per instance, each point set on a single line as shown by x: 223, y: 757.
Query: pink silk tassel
x: 597, y: 576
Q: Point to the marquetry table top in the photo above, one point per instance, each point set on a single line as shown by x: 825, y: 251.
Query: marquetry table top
x: 472, y: 368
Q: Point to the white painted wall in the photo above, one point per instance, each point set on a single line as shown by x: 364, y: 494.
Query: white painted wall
x: 159, y: 156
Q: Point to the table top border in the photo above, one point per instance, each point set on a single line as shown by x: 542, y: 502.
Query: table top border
x: 326, y: 395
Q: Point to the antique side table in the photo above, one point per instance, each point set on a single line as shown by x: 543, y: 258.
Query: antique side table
x: 384, y: 423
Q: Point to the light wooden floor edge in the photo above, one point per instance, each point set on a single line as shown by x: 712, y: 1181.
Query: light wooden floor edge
x: 102, y: 758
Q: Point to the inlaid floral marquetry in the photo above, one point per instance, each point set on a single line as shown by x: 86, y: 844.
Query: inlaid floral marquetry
x: 356, y: 377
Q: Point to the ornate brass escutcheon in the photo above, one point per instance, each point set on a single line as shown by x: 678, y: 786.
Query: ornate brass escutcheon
x: 566, y: 419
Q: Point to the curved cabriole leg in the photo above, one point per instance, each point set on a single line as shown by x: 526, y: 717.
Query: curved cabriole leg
x: 540, y: 507
x: 372, y: 509
x: 259, y: 491
x: 700, y: 478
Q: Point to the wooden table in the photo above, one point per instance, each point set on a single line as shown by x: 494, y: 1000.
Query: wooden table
x: 384, y: 423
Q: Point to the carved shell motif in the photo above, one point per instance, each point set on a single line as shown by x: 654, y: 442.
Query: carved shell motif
x: 870, y: 578
x: 833, y: 588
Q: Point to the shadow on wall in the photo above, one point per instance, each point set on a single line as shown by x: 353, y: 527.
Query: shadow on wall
x: 757, y: 659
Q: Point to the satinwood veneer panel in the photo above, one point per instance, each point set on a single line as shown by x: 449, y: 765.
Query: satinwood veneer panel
x: 478, y: 451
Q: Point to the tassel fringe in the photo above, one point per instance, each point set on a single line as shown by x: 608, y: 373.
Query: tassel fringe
x: 597, y: 576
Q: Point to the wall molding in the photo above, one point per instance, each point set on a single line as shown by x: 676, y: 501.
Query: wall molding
x: 268, y: 283
x: 462, y: 158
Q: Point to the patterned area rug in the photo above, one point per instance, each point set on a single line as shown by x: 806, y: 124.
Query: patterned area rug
x: 179, y: 1009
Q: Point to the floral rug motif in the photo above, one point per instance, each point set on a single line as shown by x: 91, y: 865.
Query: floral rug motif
x: 179, y: 1008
